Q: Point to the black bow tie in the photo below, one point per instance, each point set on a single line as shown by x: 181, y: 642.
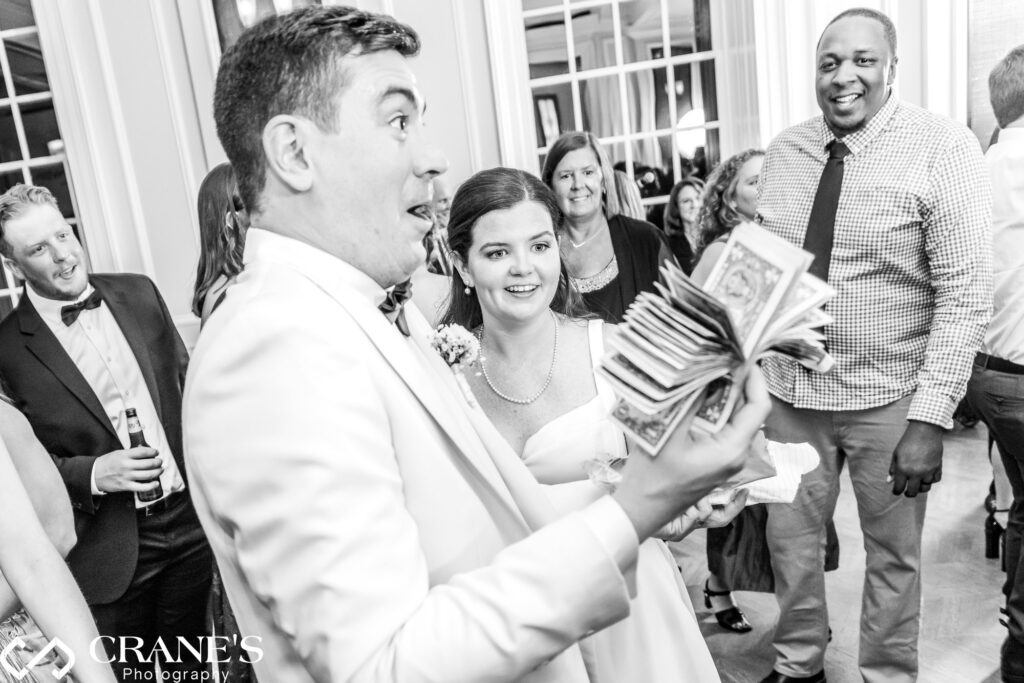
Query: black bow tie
x: 69, y: 314
x: 394, y: 305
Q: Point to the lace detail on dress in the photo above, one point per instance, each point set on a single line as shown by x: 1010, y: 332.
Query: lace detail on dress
x: 600, y: 280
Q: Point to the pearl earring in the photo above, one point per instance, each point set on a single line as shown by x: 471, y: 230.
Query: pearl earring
x: 468, y: 291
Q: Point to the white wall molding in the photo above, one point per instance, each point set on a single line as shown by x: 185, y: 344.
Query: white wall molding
x: 732, y: 35
x: 140, y: 240
x: 466, y: 79
x: 188, y: 327
x: 203, y: 57
x: 177, y: 78
x: 509, y: 71
x: 945, y: 54
x: 87, y: 112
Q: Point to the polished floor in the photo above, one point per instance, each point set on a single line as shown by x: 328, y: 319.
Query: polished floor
x: 960, y: 632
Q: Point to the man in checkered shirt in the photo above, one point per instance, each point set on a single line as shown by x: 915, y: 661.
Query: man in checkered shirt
x: 911, y: 266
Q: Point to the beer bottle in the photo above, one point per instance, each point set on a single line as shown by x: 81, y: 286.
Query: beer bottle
x: 136, y: 438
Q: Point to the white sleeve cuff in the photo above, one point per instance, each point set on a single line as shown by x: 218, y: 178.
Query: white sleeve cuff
x: 608, y: 522
x: 92, y: 482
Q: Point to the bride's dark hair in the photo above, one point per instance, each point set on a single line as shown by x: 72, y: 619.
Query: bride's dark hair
x: 497, y: 189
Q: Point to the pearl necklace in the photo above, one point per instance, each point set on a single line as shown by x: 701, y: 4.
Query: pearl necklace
x: 547, y: 380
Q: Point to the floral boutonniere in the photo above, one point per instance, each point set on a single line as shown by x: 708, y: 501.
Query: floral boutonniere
x: 457, y: 345
x: 459, y: 348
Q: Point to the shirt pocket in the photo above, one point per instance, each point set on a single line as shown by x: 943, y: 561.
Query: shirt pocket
x: 887, y: 224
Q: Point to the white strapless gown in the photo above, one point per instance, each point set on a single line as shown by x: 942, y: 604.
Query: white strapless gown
x: 660, y: 641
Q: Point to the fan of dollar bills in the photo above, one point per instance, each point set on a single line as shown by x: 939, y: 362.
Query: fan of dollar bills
x: 688, y: 348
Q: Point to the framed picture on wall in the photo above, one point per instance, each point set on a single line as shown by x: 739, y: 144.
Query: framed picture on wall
x: 548, y: 119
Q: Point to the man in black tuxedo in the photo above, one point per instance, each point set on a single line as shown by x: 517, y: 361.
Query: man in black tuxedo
x: 76, y: 353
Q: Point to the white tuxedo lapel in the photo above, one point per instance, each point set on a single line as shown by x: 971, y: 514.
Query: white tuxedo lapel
x: 527, y: 493
x: 436, y: 390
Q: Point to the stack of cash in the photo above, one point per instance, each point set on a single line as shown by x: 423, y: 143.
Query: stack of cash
x: 687, y: 349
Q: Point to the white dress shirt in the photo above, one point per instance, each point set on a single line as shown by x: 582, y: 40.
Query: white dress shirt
x: 98, y: 348
x: 1005, y: 160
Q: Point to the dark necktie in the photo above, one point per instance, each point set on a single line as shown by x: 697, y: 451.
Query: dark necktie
x: 822, y: 224
x: 69, y: 314
x: 394, y: 305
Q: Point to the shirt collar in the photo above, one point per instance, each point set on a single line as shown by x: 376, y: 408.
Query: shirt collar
x: 856, y: 142
x: 321, y: 267
x: 49, y: 309
x: 1014, y: 134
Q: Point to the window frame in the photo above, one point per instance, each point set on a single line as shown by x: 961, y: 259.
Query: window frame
x: 514, y: 90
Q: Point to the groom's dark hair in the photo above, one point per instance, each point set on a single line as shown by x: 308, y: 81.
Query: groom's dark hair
x: 290, y: 65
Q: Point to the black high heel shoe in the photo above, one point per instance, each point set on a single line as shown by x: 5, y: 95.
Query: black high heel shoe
x: 732, y: 618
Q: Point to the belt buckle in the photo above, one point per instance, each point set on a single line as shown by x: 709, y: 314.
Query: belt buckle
x: 154, y: 508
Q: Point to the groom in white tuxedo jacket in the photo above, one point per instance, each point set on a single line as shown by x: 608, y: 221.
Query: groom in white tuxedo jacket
x: 368, y: 523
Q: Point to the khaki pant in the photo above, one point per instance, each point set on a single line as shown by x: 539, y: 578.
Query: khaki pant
x: 891, y: 603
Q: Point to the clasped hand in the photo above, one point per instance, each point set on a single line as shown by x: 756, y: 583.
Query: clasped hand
x: 708, y: 516
x: 132, y: 469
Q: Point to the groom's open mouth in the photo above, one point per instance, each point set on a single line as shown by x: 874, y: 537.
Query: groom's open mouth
x: 423, y: 212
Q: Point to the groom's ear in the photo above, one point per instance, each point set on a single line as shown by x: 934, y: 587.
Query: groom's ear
x: 286, y: 144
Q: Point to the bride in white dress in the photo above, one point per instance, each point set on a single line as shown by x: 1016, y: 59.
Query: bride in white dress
x: 536, y: 383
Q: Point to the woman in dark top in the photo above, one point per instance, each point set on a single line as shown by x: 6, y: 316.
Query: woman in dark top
x: 222, y: 225
x: 737, y: 554
x: 223, y: 222
x: 680, y: 221
x: 729, y: 199
x: 611, y: 258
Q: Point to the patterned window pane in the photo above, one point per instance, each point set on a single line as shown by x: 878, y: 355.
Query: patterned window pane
x: 10, y: 150
x: 16, y: 14
x: 612, y: 44
x: 53, y: 177
x: 26, y: 60
x: 545, y: 36
x: 540, y: 4
x: 40, y: 118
